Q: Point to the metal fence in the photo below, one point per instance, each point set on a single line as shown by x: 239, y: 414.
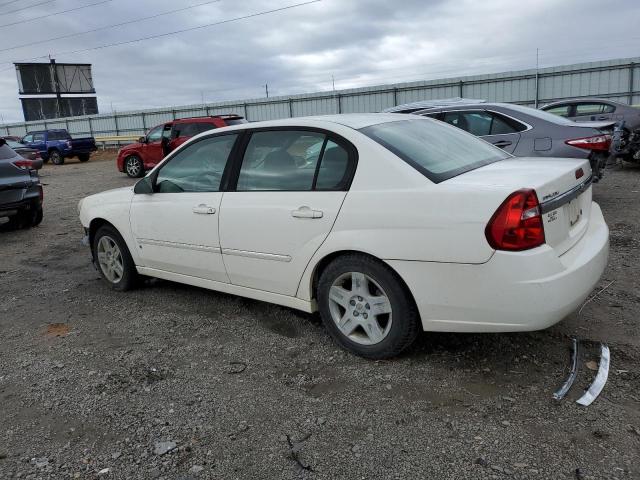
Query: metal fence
x: 617, y: 79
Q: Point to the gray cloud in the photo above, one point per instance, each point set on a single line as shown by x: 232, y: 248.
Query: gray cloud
x: 359, y: 42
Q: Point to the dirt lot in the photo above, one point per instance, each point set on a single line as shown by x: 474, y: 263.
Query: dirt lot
x: 91, y: 379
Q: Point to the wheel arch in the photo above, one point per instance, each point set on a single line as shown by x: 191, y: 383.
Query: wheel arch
x: 324, y: 261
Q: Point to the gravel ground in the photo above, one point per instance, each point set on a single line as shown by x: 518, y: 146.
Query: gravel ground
x: 176, y: 382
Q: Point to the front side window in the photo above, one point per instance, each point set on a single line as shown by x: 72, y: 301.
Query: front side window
x: 437, y: 151
x: 196, y: 168
x: 27, y: 139
x: 38, y: 137
x: 283, y: 160
x: 560, y: 110
x: 155, y: 134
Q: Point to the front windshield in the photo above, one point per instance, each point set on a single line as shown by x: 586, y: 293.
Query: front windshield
x: 437, y: 150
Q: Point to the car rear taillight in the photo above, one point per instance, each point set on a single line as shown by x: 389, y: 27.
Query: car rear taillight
x: 597, y: 142
x: 25, y: 164
x: 517, y: 224
x: 37, y: 156
x: 41, y: 193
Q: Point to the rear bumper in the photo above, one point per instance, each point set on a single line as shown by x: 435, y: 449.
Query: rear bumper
x: 513, y: 291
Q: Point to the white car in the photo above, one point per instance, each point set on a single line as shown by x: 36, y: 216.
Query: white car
x: 397, y: 224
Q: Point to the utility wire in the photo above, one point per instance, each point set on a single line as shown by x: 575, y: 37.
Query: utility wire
x: 107, y: 27
x: 8, y: 3
x: 30, y: 6
x: 166, y: 34
x: 27, y: 20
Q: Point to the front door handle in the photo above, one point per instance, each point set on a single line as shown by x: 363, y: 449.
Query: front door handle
x: 502, y: 143
x: 306, y: 212
x: 203, y: 209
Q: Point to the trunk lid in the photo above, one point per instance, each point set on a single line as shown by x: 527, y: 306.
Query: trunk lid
x: 565, y: 200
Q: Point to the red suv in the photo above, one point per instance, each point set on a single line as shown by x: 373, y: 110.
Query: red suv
x: 139, y: 157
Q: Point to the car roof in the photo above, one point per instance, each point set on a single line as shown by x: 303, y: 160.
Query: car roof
x: 583, y: 100
x: 355, y: 121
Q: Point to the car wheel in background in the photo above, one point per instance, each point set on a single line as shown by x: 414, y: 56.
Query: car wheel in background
x: 133, y: 166
x: 366, y: 308
x: 84, y: 157
x: 56, y: 158
x: 113, y: 259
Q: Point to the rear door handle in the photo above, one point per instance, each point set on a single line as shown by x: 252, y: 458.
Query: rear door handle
x: 306, y: 212
x: 502, y: 143
x: 203, y: 209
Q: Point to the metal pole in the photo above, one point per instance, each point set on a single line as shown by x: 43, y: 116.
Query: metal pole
x: 632, y: 67
x: 115, y: 121
x: 56, y: 82
x: 460, y: 86
x: 144, y: 122
x: 266, y: 89
x: 395, y: 96
x: 339, y: 103
x: 290, y: 108
x: 537, y: 75
x: 246, y: 112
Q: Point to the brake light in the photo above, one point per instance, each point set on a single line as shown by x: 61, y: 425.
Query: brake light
x: 597, y: 142
x: 24, y: 164
x: 41, y: 193
x: 517, y: 224
x: 36, y: 156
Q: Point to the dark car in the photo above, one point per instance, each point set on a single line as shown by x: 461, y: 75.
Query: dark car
x: 21, y: 193
x: 26, y: 152
x: 150, y: 149
x: 626, y: 134
x: 527, y: 132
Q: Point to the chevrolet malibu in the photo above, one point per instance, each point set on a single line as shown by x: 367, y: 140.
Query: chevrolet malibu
x: 385, y: 224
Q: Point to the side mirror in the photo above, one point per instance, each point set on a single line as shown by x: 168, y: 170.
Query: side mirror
x: 142, y: 140
x: 144, y: 186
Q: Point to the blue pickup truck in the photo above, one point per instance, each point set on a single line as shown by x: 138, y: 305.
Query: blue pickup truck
x: 56, y: 145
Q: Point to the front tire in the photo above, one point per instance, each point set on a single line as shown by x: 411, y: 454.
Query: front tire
x: 56, y: 158
x: 113, y: 259
x: 133, y: 166
x: 366, y: 307
x: 84, y: 157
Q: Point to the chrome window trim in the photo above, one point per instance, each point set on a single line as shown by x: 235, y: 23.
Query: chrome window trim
x: 565, y: 197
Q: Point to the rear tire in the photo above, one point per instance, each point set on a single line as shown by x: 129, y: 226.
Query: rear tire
x: 366, y: 307
x: 84, y: 157
x: 56, y: 158
x: 133, y: 166
x: 113, y: 260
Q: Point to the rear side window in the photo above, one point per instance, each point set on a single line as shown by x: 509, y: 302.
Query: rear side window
x: 190, y: 129
x: 437, y: 151
x: 234, y: 121
x: 59, y: 136
x: 294, y: 160
x: 6, y: 152
x: 593, y: 108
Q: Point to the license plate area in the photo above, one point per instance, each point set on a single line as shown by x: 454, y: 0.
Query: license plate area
x: 574, y: 212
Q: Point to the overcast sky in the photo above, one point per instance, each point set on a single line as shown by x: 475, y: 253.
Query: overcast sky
x: 358, y: 42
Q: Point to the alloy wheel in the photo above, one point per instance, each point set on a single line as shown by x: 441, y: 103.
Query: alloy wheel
x: 360, y: 308
x: 110, y: 259
x: 133, y: 166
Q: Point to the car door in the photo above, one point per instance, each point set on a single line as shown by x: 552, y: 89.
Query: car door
x: 153, y: 148
x: 287, y: 192
x: 490, y: 126
x: 38, y: 142
x: 176, y: 226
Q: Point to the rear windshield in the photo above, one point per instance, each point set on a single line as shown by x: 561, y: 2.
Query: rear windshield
x: 6, y: 152
x: 437, y: 150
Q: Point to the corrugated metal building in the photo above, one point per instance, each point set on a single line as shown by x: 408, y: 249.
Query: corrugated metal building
x: 617, y: 79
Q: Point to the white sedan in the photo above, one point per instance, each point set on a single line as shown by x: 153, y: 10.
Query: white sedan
x: 387, y: 224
